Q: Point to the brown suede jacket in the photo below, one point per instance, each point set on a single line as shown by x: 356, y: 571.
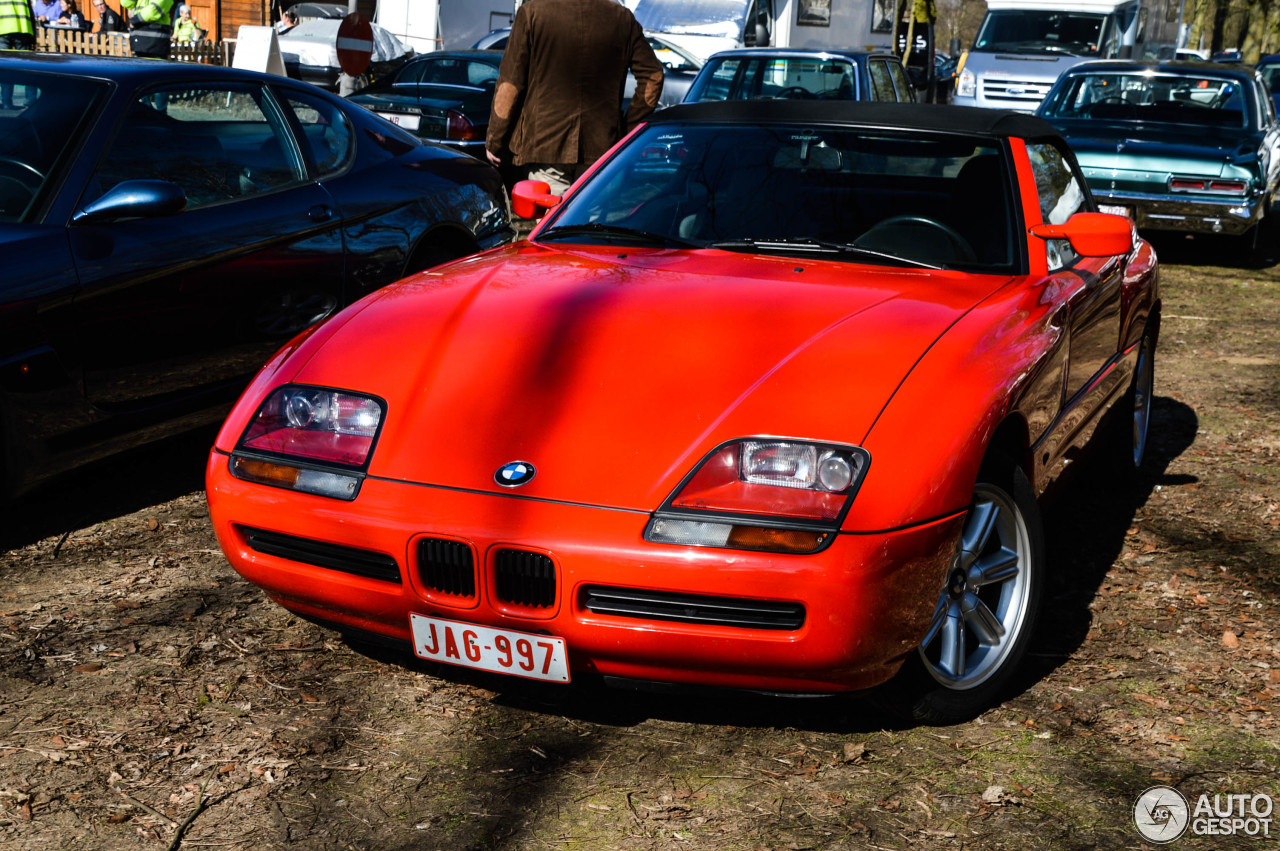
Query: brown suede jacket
x: 559, y: 95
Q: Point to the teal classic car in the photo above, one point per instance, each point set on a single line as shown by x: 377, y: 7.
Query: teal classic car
x: 1177, y: 146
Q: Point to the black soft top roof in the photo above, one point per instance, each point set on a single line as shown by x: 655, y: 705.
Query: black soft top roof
x: 931, y: 118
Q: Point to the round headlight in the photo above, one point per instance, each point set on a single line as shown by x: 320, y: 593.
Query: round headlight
x: 299, y: 410
x: 835, y: 473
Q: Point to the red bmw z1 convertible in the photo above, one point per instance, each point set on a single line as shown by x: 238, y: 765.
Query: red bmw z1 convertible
x: 766, y: 401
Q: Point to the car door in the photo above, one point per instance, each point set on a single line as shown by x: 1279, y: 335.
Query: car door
x: 1090, y: 286
x: 174, y: 307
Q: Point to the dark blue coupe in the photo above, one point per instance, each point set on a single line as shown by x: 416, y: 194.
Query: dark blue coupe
x: 165, y: 227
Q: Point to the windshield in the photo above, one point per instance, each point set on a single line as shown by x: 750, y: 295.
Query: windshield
x: 700, y: 17
x: 39, y: 134
x: 1028, y: 31
x: 1174, y: 98
x: 744, y: 78
x: 866, y: 195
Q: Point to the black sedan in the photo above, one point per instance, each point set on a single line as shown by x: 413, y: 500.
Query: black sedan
x: 166, y: 227
x: 443, y: 97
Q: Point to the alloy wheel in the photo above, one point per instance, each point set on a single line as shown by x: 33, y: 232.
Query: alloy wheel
x: 982, y: 611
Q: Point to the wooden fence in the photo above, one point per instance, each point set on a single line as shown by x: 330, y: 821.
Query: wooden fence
x: 56, y: 40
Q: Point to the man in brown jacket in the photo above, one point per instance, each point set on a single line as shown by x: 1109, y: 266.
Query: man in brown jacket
x: 558, y: 105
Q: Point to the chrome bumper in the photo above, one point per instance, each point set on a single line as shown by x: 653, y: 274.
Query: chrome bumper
x: 1232, y: 216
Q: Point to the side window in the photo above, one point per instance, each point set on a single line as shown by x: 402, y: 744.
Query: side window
x: 717, y: 87
x: 1061, y: 197
x: 901, y: 83
x: 881, y: 81
x: 410, y: 74
x: 481, y: 74
x: 1266, y: 105
x: 217, y: 142
x: 327, y: 136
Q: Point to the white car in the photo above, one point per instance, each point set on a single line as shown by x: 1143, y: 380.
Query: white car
x: 310, y: 52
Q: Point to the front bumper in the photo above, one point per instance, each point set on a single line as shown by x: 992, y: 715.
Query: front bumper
x: 865, y: 600
x: 1151, y: 212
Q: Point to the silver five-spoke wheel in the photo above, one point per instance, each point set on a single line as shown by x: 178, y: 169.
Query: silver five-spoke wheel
x: 982, y: 611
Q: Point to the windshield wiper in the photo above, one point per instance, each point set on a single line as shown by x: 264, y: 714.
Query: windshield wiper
x: 817, y: 245
x: 620, y: 231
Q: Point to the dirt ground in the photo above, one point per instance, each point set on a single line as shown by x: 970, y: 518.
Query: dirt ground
x: 150, y: 698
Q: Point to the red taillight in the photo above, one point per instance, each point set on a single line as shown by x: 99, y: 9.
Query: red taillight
x: 1208, y: 184
x: 1235, y: 186
x: 315, y: 424
x: 459, y: 127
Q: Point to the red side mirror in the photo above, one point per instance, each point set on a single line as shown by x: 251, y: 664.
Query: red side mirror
x: 1092, y: 234
x: 528, y: 196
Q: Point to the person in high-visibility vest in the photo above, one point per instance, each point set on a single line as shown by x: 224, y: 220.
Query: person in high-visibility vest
x: 17, y: 26
x: 187, y: 29
x: 17, y: 32
x: 151, y: 25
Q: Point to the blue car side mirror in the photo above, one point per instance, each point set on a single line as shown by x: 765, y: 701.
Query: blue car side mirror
x: 133, y: 199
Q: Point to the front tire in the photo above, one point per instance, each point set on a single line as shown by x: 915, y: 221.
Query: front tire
x: 986, y: 611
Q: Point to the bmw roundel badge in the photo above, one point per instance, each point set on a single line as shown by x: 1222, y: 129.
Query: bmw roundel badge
x: 515, y: 474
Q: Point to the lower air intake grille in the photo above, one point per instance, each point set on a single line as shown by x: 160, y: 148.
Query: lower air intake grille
x: 525, y: 579
x: 693, y: 608
x: 447, y: 567
x: 333, y: 556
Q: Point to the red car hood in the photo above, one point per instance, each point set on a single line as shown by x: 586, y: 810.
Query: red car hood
x: 614, y: 370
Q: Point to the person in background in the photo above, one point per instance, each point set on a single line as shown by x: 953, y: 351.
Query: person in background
x: 46, y: 11
x: 557, y: 107
x: 287, y: 21
x: 17, y: 32
x: 151, y: 25
x: 109, y: 20
x: 69, y: 17
x: 186, y: 29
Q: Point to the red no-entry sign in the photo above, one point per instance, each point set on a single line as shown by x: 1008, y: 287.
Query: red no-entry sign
x: 355, y: 44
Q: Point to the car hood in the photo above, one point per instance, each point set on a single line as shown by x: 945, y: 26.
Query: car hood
x: 1159, y: 147
x: 615, y: 370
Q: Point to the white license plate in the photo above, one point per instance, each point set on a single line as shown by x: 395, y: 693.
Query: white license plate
x: 1115, y: 210
x: 505, y: 651
x: 408, y: 122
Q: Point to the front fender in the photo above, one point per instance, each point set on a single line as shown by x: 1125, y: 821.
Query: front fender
x: 1004, y: 359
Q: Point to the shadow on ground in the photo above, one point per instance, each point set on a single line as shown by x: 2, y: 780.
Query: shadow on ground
x: 1086, y: 522
x: 1230, y: 252
x: 115, y: 487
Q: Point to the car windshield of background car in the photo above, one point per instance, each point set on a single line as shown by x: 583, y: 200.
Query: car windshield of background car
x: 37, y: 134
x: 455, y: 72
x: 694, y: 17
x: 1180, y: 99
x: 787, y: 184
x: 674, y: 58
x: 778, y: 77
x: 1024, y: 31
